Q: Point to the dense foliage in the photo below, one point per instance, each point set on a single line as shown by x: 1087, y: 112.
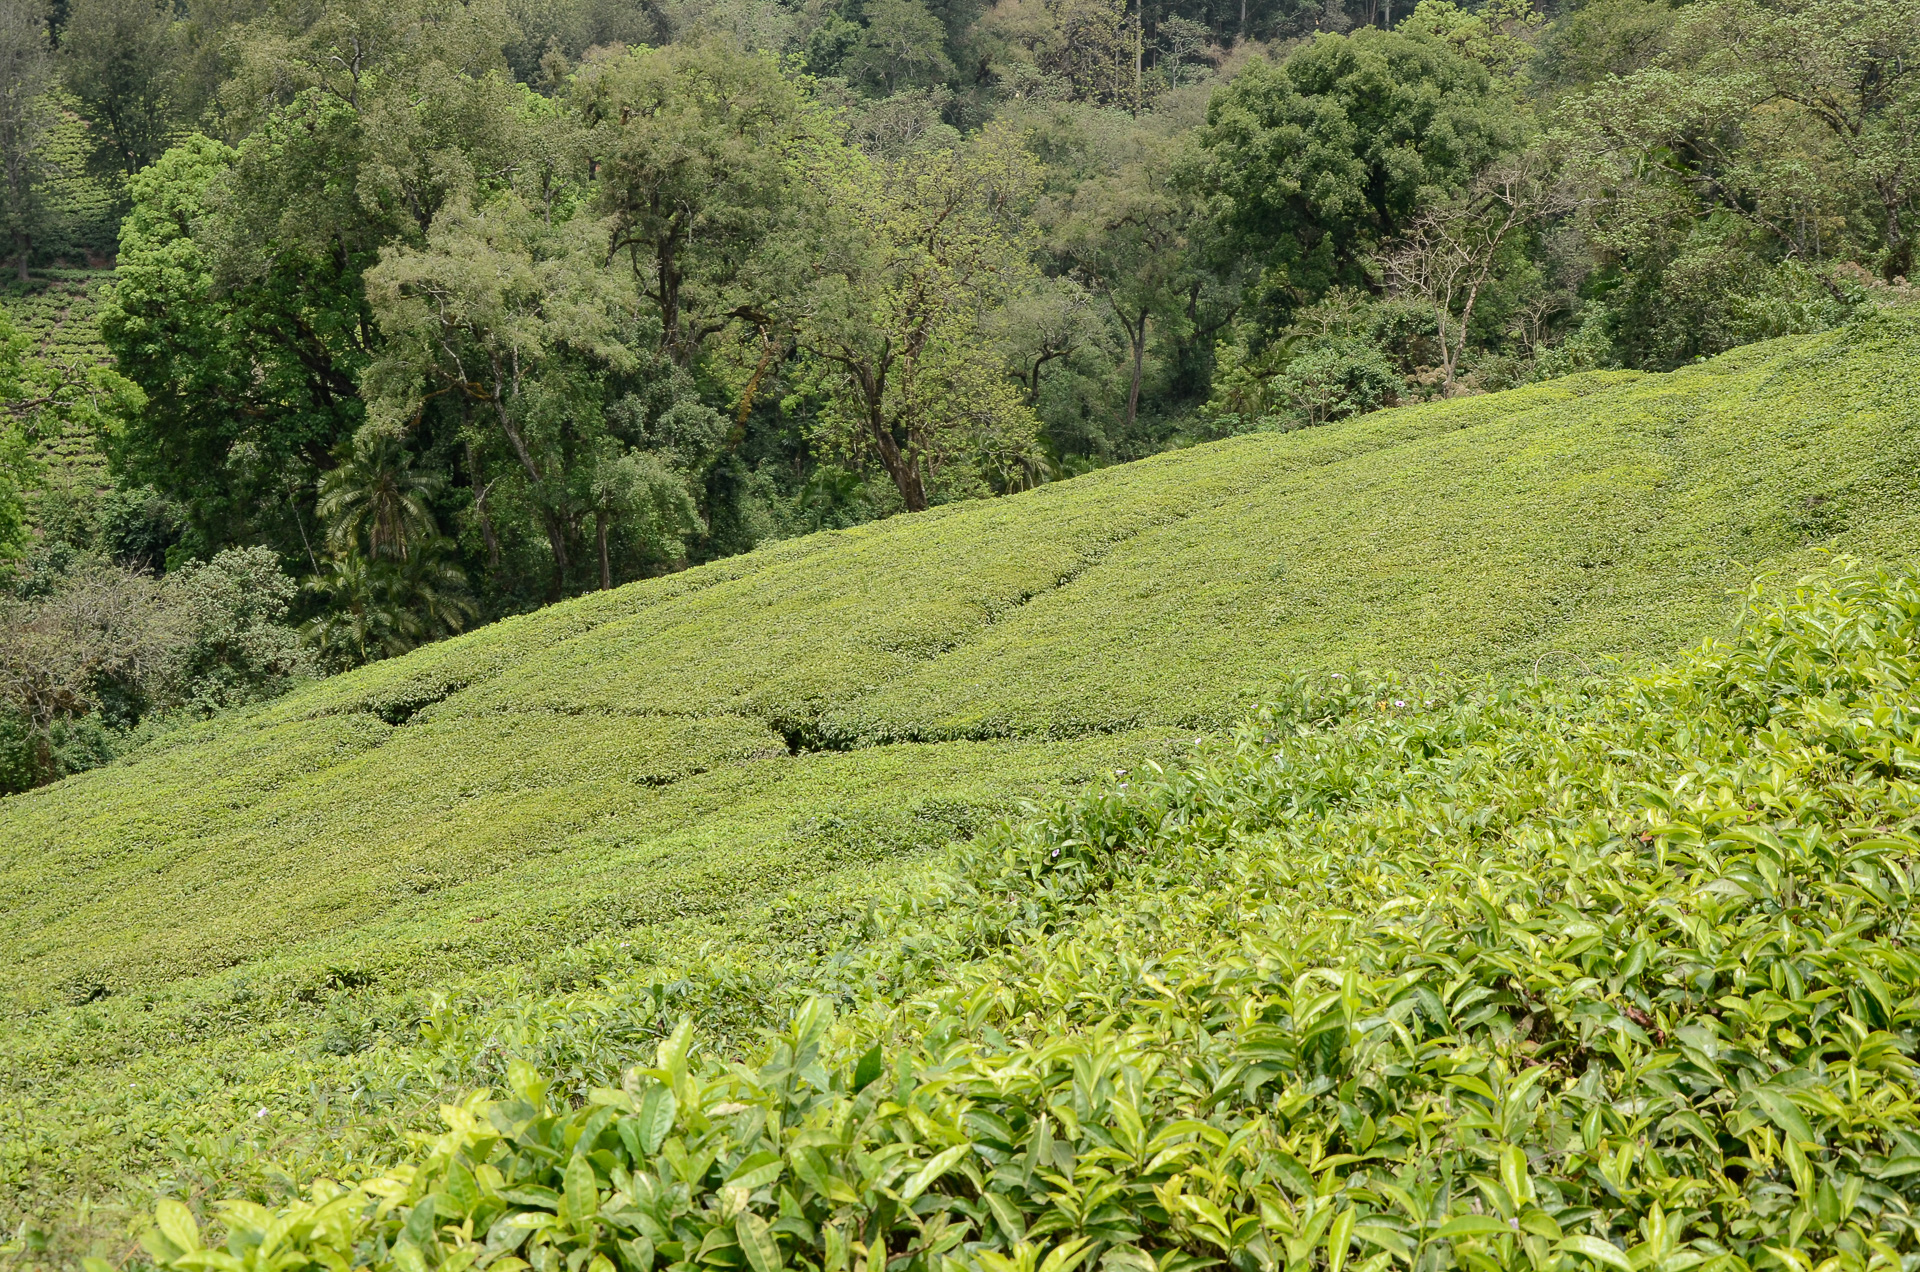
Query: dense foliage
x: 1396, y: 974
x: 89, y: 650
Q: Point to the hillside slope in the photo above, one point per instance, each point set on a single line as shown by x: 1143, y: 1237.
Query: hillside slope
x: 684, y: 751
x: 547, y: 766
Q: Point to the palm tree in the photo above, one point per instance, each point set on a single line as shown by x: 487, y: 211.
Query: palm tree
x: 376, y: 502
x: 382, y: 608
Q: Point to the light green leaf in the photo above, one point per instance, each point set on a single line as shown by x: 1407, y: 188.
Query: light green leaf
x: 1065, y: 1256
x: 177, y: 1225
x: 757, y: 1171
x: 581, y: 1201
x: 1599, y: 1251
x: 1385, y: 1238
x: 1340, y: 1240
x: 942, y: 1162
x: 1784, y: 1113
x: 657, y: 1109
x: 763, y: 1251
x: 869, y: 1068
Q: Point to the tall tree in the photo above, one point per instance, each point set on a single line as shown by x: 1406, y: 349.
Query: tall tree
x: 240, y: 305
x: 1130, y: 237
x: 696, y: 153
x: 377, y: 502
x: 1452, y: 252
x: 904, y: 46
x: 1320, y: 160
x: 246, y: 329
x: 1854, y: 67
x: 516, y: 320
x: 927, y: 246
x: 26, y: 117
x: 118, y: 59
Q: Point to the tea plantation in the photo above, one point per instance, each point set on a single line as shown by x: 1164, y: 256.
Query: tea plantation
x: 59, y: 313
x: 1424, y: 963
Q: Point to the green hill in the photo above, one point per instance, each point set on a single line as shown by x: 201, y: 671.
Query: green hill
x: 245, y: 912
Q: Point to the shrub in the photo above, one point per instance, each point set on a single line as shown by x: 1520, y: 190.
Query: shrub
x: 1298, y: 383
x: 88, y: 649
x: 235, y: 645
x: 1612, y: 975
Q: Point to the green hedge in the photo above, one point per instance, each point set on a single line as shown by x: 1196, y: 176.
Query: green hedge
x: 59, y: 312
x: 1393, y: 977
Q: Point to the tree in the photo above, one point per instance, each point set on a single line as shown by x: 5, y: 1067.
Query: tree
x: 1605, y: 37
x: 381, y: 608
x: 234, y: 645
x: 240, y: 305
x: 1854, y: 67
x: 1452, y: 251
x: 1322, y: 159
x: 1048, y: 322
x: 246, y: 335
x: 638, y: 492
x: 540, y: 349
x: 904, y: 46
x: 361, y: 53
x: 1129, y: 236
x: 1764, y: 142
x: 26, y: 117
x: 103, y: 635
x: 516, y: 318
x: 930, y: 243
x: 695, y: 152
x: 117, y: 59
x: 376, y: 503
x: 1084, y: 49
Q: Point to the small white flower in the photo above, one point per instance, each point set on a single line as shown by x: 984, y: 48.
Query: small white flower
x: 261, y: 1113
x: 1338, y: 676
x: 1399, y: 702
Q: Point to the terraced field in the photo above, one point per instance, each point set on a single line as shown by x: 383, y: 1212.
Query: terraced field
x: 61, y: 315
x: 228, y: 950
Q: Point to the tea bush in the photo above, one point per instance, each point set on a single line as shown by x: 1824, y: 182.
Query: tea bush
x: 60, y: 314
x: 561, y: 824
x: 1392, y: 976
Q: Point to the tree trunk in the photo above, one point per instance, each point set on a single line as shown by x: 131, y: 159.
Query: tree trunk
x: 487, y: 534
x: 550, y: 520
x: 901, y: 467
x: 1137, y: 334
x: 1899, y: 263
x: 738, y: 433
x: 600, y: 533
x: 1451, y: 353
